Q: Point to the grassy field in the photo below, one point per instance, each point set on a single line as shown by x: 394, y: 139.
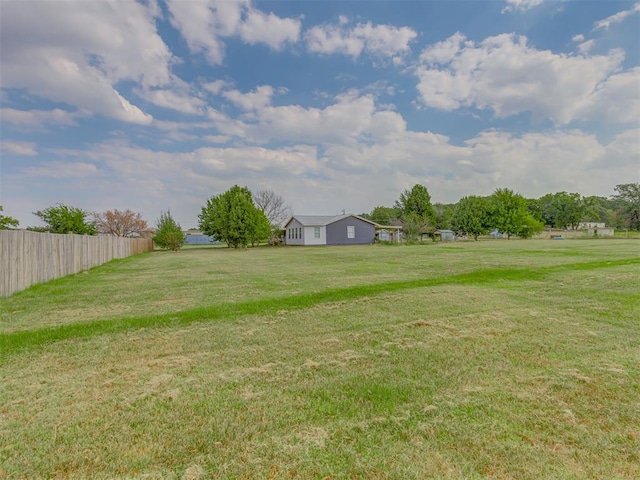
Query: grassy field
x: 496, y: 359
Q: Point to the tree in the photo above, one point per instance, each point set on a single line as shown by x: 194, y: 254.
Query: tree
x: 64, y: 219
x: 169, y: 234
x: 6, y: 222
x: 562, y: 209
x: 628, y: 194
x: 509, y: 213
x: 275, y: 209
x: 418, y: 201
x: 263, y: 229
x: 529, y: 227
x: 471, y: 217
x: 414, y: 226
x: 533, y: 206
x: 443, y: 215
x: 233, y: 218
x: 120, y: 224
x: 416, y: 210
x: 383, y: 215
x: 601, y: 209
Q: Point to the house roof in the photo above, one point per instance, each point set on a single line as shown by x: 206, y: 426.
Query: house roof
x: 323, y: 220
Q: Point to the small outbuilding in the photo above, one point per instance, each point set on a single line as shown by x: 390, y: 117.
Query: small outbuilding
x: 446, y: 235
x: 388, y: 233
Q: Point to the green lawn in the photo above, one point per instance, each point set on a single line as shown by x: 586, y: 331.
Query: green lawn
x: 495, y: 359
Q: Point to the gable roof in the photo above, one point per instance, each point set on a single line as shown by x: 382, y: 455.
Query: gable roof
x: 323, y: 220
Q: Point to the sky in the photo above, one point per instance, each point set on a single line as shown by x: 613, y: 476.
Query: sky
x: 335, y: 105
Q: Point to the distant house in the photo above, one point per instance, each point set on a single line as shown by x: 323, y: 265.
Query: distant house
x: 329, y: 230
x: 591, y: 225
x: 196, y: 237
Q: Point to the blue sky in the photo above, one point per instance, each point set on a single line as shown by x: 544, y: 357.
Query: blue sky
x: 335, y: 105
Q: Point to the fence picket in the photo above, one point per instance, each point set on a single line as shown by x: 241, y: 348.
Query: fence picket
x: 28, y: 257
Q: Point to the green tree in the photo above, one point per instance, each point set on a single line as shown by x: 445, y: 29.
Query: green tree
x: 601, y: 209
x: 418, y: 201
x: 64, y: 219
x: 563, y: 210
x: 628, y: 194
x: 169, y: 234
x: 533, y: 206
x: 509, y: 213
x: 443, y: 214
x: 416, y: 210
x: 262, y: 228
x: 571, y: 210
x: 383, y: 215
x: 6, y: 222
x: 233, y: 218
x: 471, y: 216
x: 414, y: 226
x: 530, y: 227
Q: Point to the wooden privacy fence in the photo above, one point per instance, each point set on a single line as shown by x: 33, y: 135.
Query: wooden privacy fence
x: 31, y: 257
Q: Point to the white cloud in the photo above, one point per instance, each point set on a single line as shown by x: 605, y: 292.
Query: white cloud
x: 174, y: 100
x: 256, y: 100
x: 18, y: 148
x: 205, y: 24
x: 197, y: 23
x: 379, y: 40
x: 269, y: 29
x: 505, y: 74
x: 615, y: 18
x: 585, y: 47
x: 58, y: 169
x: 381, y: 160
x: 82, y: 51
x: 520, y: 5
x: 617, y: 99
x: 215, y: 87
x: 578, y: 38
x: 345, y: 121
x: 333, y: 39
x: 444, y: 51
x: 37, y: 119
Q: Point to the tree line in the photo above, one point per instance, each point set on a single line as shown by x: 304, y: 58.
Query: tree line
x: 241, y: 218
x: 509, y: 212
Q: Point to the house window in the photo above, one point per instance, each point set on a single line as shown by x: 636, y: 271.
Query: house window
x: 351, y: 231
x: 316, y: 232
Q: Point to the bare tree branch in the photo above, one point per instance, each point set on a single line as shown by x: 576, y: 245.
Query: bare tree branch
x: 274, y: 207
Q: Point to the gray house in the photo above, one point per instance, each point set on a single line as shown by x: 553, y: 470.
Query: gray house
x: 329, y: 230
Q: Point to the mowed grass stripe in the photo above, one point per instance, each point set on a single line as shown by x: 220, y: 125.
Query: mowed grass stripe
x: 15, y: 342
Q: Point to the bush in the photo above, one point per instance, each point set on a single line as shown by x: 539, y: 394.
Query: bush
x: 169, y: 235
